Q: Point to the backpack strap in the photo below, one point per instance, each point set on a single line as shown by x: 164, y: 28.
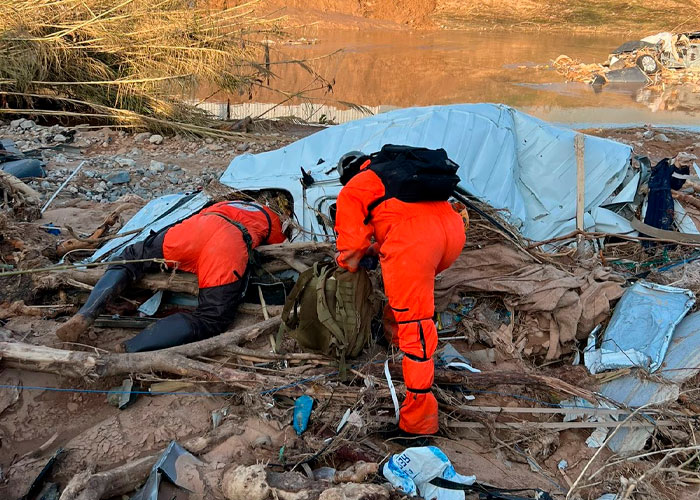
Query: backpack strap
x: 291, y: 305
x: 260, y: 208
x: 246, y: 235
x: 325, y: 316
x: 374, y: 205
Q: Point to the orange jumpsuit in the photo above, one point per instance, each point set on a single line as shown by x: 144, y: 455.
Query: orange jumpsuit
x: 213, y: 248
x: 416, y: 241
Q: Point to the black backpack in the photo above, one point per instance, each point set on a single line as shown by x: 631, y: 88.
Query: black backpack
x: 413, y: 174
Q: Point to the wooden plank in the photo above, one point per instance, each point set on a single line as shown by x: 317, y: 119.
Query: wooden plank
x: 563, y: 411
x: 579, y: 144
x: 662, y: 234
x: 561, y: 425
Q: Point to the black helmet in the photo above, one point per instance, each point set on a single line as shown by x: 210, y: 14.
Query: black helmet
x: 349, y: 165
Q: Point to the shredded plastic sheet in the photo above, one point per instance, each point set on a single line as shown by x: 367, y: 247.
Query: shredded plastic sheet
x: 640, y: 329
x: 412, y: 471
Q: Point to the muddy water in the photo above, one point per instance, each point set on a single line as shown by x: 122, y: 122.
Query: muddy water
x: 385, y: 69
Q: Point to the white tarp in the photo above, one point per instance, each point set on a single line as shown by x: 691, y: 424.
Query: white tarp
x: 507, y: 158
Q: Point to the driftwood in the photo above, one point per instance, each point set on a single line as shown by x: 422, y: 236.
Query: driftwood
x: 174, y: 360
x: 23, y: 200
x: 687, y: 198
x: 126, y: 478
x: 95, y: 239
x: 498, y: 377
x: 298, y: 256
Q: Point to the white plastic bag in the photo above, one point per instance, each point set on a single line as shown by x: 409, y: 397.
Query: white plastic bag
x: 412, y: 471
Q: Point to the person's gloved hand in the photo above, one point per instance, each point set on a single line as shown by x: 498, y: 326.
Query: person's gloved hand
x: 369, y: 262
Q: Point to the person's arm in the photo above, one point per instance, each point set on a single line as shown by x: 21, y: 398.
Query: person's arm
x: 354, y: 236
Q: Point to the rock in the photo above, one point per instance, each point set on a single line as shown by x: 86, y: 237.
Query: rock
x: 209, y: 140
x: 60, y: 158
x: 125, y: 162
x: 263, y: 441
x: 175, y: 168
x: 662, y: 138
x: 244, y: 146
x: 45, y: 185
x: 16, y: 123
x: 648, y: 134
x: 142, y: 136
x: 120, y: 177
x: 215, y: 147
x: 156, y: 166
x: 90, y: 174
x: 353, y: 491
x: 60, y: 138
x: 202, y: 151
x: 101, y: 187
x: 156, y: 139
x: 27, y: 124
x: 72, y: 189
x: 246, y: 483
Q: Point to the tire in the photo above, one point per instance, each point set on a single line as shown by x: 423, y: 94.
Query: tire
x: 648, y: 64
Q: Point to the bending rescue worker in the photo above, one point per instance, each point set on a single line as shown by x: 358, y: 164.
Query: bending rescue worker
x: 414, y: 241
x: 215, y: 244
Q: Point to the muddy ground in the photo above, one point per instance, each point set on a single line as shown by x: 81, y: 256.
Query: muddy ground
x: 74, y: 414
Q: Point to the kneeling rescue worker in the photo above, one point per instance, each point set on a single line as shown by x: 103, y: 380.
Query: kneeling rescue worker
x: 215, y: 244
x: 398, y: 196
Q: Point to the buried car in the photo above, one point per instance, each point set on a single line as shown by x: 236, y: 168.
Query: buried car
x: 508, y: 159
x: 640, y: 60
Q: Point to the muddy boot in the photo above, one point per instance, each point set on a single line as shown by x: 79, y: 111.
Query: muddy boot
x: 176, y: 329
x: 112, y: 283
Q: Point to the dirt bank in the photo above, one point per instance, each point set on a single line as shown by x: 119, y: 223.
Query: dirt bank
x: 589, y: 15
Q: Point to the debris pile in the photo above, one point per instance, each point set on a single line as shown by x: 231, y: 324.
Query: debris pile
x: 566, y: 364
x: 655, y: 61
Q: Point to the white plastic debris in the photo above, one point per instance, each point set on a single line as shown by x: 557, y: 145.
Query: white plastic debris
x: 412, y: 471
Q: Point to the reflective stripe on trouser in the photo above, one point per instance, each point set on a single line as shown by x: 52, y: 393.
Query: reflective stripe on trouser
x: 419, y: 411
x: 411, y: 256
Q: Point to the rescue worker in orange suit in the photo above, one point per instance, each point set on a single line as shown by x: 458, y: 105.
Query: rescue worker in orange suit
x: 215, y: 245
x: 414, y: 242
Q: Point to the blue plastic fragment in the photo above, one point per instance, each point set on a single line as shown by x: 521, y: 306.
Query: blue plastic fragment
x: 51, y: 229
x: 302, y: 411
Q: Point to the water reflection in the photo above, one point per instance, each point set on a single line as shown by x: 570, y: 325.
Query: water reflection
x: 382, y: 70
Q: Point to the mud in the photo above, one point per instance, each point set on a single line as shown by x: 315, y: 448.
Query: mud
x: 95, y: 434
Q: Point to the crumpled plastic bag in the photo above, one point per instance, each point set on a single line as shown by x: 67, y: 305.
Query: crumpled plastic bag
x: 412, y: 471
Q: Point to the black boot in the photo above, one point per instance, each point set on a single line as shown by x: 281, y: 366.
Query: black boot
x: 170, y: 331
x: 111, y: 284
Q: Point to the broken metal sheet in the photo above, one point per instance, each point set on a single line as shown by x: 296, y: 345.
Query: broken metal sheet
x: 681, y: 363
x: 36, y: 485
x: 174, y: 464
x: 449, y: 357
x: 156, y: 215
x: 151, y: 306
x: 641, y: 328
x: 507, y: 158
x: 627, y: 194
x: 682, y: 220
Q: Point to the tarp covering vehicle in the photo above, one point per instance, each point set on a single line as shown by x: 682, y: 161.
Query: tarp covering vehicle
x: 508, y: 159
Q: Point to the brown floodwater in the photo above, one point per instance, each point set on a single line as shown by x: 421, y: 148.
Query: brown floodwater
x: 385, y: 69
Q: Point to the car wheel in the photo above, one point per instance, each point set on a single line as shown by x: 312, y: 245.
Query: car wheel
x: 648, y: 64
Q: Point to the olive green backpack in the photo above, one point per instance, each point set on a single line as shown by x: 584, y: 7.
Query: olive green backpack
x: 330, y: 311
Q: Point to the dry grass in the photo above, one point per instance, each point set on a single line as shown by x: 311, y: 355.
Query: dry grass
x: 127, y: 61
